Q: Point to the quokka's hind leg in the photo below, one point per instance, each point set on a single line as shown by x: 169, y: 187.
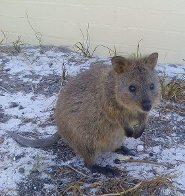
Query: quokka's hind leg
x: 94, y: 168
x: 125, y: 151
x: 107, y: 170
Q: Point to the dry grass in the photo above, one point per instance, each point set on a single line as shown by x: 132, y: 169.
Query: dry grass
x: 17, y: 44
x: 38, y: 35
x: 152, y: 187
x: 64, y: 74
x: 173, y: 89
x: 84, y: 46
x: 138, y: 52
x: 124, y: 186
x: 145, y: 161
x: 4, y: 39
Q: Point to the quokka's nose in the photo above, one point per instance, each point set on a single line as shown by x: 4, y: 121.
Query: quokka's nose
x: 146, y: 105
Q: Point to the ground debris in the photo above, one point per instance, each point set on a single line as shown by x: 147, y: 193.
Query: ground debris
x: 30, y: 81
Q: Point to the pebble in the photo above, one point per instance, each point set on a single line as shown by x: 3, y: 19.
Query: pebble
x: 21, y: 107
x: 156, y: 149
x: 1, y: 140
x: 21, y: 170
x: 8, y: 69
x: 18, y: 157
x: 13, y: 104
x: 151, y: 154
x: 140, y: 148
x: 1, y: 115
x: 117, y: 161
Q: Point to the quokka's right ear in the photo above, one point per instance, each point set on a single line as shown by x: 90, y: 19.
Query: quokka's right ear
x: 120, y: 64
x: 151, y: 60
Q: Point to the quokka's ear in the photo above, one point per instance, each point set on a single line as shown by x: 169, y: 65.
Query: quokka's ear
x: 120, y: 64
x: 151, y: 60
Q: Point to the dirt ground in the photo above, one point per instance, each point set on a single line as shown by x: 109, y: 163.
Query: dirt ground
x: 29, y: 83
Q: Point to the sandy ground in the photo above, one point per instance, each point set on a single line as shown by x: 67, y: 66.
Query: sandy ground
x: 29, y: 83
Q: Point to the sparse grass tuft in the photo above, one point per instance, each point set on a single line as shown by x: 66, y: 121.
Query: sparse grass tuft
x: 38, y: 34
x: 64, y: 74
x: 138, y: 53
x: 173, y: 89
x: 17, y: 44
x: 4, y: 37
x: 84, y: 47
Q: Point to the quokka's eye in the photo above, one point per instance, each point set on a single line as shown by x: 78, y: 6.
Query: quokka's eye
x: 152, y: 86
x: 132, y: 88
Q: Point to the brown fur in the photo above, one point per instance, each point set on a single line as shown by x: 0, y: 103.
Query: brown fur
x: 95, y: 110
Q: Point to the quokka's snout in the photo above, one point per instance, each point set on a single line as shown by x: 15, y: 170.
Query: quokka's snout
x: 146, y: 105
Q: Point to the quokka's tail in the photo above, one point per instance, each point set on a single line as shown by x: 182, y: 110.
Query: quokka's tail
x: 38, y: 143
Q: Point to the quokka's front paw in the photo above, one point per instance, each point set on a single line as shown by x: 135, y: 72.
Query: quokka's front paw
x: 125, y: 151
x: 129, y: 132
x: 139, y: 131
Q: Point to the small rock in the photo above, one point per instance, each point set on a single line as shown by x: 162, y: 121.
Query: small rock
x: 18, y: 157
x: 96, y: 175
x: 21, y: 107
x: 34, y: 171
x: 50, y: 64
x: 21, y: 170
x: 156, y: 149
x: 1, y: 115
x: 140, y: 148
x: 117, y: 161
x: 151, y: 154
x: 8, y: 69
x: 1, y: 140
x: 13, y: 104
x: 172, y: 65
x: 136, y: 181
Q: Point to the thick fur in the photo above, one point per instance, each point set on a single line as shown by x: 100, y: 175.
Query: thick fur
x: 96, y: 110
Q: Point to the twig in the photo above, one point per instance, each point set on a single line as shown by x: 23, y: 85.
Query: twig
x: 74, y: 187
x: 77, y: 171
x: 109, y: 49
x: 4, y: 89
x: 145, y: 161
x: 38, y: 34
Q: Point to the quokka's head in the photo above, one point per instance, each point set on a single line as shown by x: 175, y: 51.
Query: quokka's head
x: 137, y: 84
